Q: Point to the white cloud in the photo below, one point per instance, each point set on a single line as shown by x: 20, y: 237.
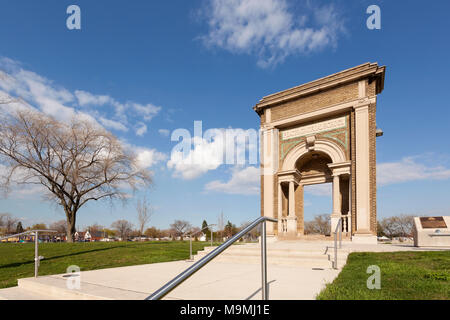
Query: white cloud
x: 21, y: 191
x: 141, y: 129
x: 204, y: 157
x: 148, y: 111
x: 209, y: 153
x: 243, y: 181
x: 409, y: 169
x: 88, y: 99
x: 147, y: 158
x: 164, y: 132
x: 111, y: 124
x: 41, y: 93
x: 271, y: 29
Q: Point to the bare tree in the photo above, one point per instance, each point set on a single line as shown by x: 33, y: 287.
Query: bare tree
x: 180, y: 227
x: 59, y: 226
x: 9, y: 223
x: 195, y: 232
x: 75, y: 163
x: 397, y: 226
x: 144, y: 214
x: 320, y: 225
x: 2, y: 219
x: 123, y: 227
x: 220, y: 225
x: 253, y: 234
x: 95, y: 228
x: 153, y: 232
x: 406, y: 225
x: 5, y: 98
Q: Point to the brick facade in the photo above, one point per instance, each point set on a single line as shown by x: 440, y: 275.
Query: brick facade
x: 322, y: 100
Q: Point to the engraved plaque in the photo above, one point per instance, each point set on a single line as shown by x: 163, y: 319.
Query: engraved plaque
x: 432, y: 222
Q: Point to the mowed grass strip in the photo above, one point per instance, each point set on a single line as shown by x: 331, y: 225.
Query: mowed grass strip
x: 404, y: 276
x: 17, y: 260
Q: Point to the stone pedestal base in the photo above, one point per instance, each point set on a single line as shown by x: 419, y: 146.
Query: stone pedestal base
x: 291, y: 226
x: 334, y: 222
x: 270, y: 238
x: 364, y: 238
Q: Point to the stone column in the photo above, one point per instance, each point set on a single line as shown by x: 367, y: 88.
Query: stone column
x: 269, y: 166
x: 299, y: 209
x: 280, y: 209
x: 350, y: 205
x: 336, y: 195
x: 336, y: 203
x: 362, y: 169
x: 292, y: 218
x: 291, y: 199
x: 362, y: 234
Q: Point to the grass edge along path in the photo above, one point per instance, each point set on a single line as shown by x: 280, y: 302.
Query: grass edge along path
x: 405, y: 275
x: 17, y: 259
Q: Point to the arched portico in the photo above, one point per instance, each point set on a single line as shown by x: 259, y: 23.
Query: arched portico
x: 315, y: 161
x: 330, y: 148
x: 322, y: 131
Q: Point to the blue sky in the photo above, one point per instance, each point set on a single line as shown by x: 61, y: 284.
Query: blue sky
x: 145, y: 68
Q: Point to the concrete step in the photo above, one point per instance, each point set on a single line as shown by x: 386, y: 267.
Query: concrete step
x: 307, y: 263
x: 300, y: 256
x: 278, y: 256
x: 279, y: 250
x: 295, y: 259
x: 55, y: 288
x: 17, y: 293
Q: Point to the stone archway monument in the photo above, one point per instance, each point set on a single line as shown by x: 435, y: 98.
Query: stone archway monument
x: 322, y: 131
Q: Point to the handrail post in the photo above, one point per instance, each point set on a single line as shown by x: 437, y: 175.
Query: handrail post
x: 172, y: 284
x: 36, y: 245
x: 190, y: 247
x: 36, y: 253
x: 335, y: 251
x: 336, y: 231
x: 263, y: 261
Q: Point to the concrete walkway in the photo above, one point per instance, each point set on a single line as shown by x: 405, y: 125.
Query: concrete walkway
x: 223, y: 280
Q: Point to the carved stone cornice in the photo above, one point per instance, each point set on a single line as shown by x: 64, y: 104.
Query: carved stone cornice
x: 288, y: 176
x: 368, y: 70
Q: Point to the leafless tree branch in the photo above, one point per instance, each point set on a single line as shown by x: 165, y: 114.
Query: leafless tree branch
x: 76, y: 163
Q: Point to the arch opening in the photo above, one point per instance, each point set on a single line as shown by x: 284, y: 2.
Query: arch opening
x: 308, y: 165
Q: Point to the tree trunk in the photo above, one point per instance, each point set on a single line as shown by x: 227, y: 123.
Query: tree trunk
x: 71, y: 218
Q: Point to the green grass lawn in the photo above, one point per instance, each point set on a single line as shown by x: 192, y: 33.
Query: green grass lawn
x: 17, y: 260
x: 404, y: 276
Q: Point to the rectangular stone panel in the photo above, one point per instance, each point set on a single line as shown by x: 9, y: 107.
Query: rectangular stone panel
x: 314, y: 128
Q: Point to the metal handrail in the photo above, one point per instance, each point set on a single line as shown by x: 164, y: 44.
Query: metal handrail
x: 175, y: 282
x: 23, y: 233
x: 37, y: 258
x: 336, y: 231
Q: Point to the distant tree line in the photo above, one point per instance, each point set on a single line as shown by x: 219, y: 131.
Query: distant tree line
x: 391, y: 227
x: 397, y: 226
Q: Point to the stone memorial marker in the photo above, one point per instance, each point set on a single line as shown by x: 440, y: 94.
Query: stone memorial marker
x: 432, y: 231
